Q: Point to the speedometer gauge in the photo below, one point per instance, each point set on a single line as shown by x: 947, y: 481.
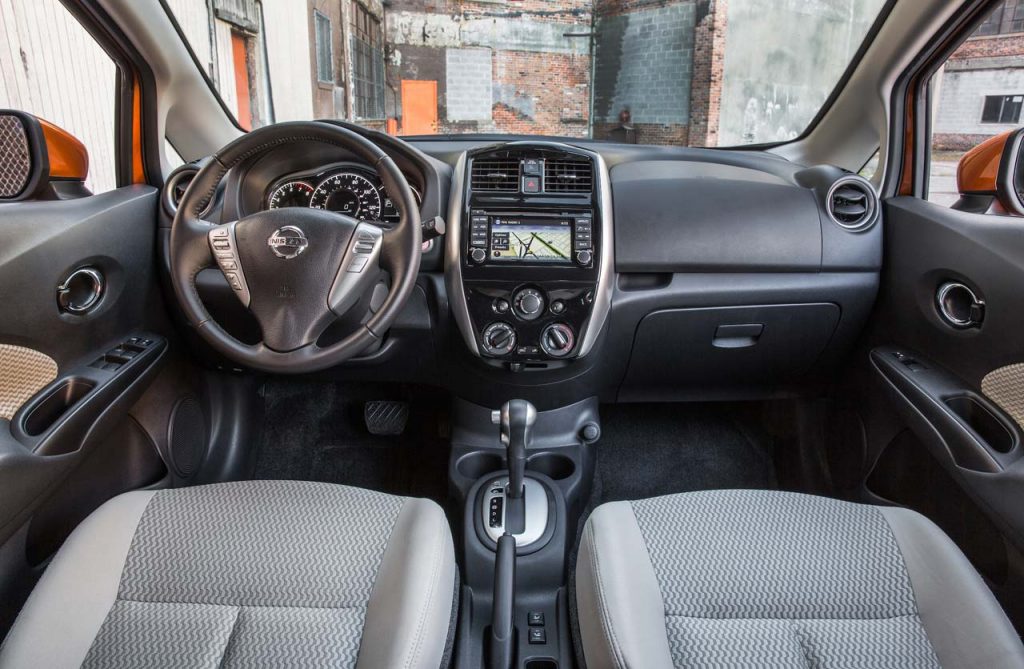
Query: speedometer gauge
x: 291, y: 194
x: 350, y: 194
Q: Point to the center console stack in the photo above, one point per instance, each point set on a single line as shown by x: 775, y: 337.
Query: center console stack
x: 529, y: 252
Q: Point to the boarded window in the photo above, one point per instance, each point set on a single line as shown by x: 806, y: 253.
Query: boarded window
x: 324, y: 49
x: 367, y: 64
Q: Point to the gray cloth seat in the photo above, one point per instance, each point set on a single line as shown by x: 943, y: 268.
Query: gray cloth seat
x: 258, y: 573
x: 773, y: 579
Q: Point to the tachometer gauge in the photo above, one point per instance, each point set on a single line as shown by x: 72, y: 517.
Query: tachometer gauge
x: 291, y: 194
x: 350, y: 194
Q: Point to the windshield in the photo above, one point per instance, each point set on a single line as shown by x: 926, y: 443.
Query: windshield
x: 670, y: 72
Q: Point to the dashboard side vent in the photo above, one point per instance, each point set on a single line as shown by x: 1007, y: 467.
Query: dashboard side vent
x: 852, y: 203
x: 495, y: 174
x: 177, y: 184
x: 568, y: 175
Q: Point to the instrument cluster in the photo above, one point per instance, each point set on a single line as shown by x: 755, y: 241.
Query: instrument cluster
x: 347, y: 189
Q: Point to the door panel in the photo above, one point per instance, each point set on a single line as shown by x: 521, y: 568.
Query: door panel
x: 59, y: 397
x: 959, y: 389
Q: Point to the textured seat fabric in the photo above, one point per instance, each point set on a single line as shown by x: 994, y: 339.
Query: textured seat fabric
x: 773, y: 579
x: 259, y: 573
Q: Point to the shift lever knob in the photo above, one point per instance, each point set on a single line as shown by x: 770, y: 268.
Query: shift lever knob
x: 517, y: 418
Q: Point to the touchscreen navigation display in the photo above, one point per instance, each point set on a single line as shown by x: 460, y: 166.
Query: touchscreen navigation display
x: 531, y: 240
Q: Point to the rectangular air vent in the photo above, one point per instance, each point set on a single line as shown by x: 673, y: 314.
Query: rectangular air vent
x: 568, y: 175
x: 495, y: 174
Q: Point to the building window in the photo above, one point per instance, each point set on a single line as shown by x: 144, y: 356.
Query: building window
x: 1007, y: 17
x: 1016, y: 19
x: 992, y: 23
x: 1002, y: 108
x: 367, y: 64
x: 324, y: 48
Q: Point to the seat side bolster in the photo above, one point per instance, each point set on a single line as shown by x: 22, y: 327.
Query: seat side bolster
x: 619, y: 603
x: 409, y: 612
x: 965, y: 624
x: 64, y: 613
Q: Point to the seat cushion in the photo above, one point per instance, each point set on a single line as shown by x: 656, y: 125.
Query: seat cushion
x: 258, y: 573
x: 773, y: 579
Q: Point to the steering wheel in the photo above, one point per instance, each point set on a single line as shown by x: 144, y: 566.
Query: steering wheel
x: 297, y: 270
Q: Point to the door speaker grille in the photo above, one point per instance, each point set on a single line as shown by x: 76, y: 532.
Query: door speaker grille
x: 186, y: 436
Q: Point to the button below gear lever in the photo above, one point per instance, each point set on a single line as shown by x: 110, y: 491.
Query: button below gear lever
x: 516, y: 418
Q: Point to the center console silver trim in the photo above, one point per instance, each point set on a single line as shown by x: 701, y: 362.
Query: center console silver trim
x: 535, y: 499
x: 453, y: 260
x: 606, y: 272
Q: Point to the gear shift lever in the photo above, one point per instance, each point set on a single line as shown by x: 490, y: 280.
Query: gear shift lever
x: 517, y: 418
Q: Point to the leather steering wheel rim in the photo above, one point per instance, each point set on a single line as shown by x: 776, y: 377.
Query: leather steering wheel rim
x: 191, y: 252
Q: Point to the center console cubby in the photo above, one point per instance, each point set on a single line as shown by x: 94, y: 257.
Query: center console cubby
x: 560, y: 458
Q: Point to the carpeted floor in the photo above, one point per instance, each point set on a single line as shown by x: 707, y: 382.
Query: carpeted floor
x: 316, y: 432
x: 658, y: 449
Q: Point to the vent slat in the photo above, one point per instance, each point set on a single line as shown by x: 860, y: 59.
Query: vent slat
x: 852, y: 204
x: 568, y: 175
x: 495, y: 174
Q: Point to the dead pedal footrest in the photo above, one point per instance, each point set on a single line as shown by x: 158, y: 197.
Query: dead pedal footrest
x: 385, y: 417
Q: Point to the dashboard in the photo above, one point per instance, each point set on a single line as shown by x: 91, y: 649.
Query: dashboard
x: 576, y: 268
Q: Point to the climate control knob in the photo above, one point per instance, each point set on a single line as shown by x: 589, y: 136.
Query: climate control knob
x: 557, y: 340
x: 528, y: 304
x: 499, y: 338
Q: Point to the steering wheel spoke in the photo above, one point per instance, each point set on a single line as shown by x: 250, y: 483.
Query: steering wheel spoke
x: 224, y: 249
x: 359, y: 270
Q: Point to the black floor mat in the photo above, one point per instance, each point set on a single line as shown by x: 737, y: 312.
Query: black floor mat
x: 316, y: 432
x: 651, y: 450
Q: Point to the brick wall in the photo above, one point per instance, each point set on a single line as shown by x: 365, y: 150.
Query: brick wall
x: 708, y: 72
x: 989, y: 47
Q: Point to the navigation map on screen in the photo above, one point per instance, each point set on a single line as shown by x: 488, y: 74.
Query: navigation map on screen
x: 515, y: 239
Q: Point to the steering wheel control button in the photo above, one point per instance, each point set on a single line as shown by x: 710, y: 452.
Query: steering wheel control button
x: 222, y: 241
x: 358, y: 263
x: 499, y: 338
x: 356, y: 274
x: 558, y: 307
x: 500, y: 306
x: 557, y: 340
x: 528, y: 304
x: 478, y: 255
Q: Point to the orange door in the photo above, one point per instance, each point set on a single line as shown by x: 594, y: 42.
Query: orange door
x: 419, y: 107
x: 238, y: 53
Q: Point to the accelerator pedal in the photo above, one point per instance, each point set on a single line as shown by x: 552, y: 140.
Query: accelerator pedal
x: 387, y: 418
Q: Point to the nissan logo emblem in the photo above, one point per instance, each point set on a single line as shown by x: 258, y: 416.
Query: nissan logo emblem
x: 288, y: 242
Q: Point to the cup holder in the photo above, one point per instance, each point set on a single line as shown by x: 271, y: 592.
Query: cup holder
x: 554, y: 466
x: 478, y: 464
x: 55, y: 404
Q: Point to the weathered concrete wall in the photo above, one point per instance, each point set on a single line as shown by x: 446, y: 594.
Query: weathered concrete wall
x: 499, y: 67
x: 782, y: 60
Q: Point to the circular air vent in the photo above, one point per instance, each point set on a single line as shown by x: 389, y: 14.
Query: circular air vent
x: 852, y: 203
x: 176, y: 185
